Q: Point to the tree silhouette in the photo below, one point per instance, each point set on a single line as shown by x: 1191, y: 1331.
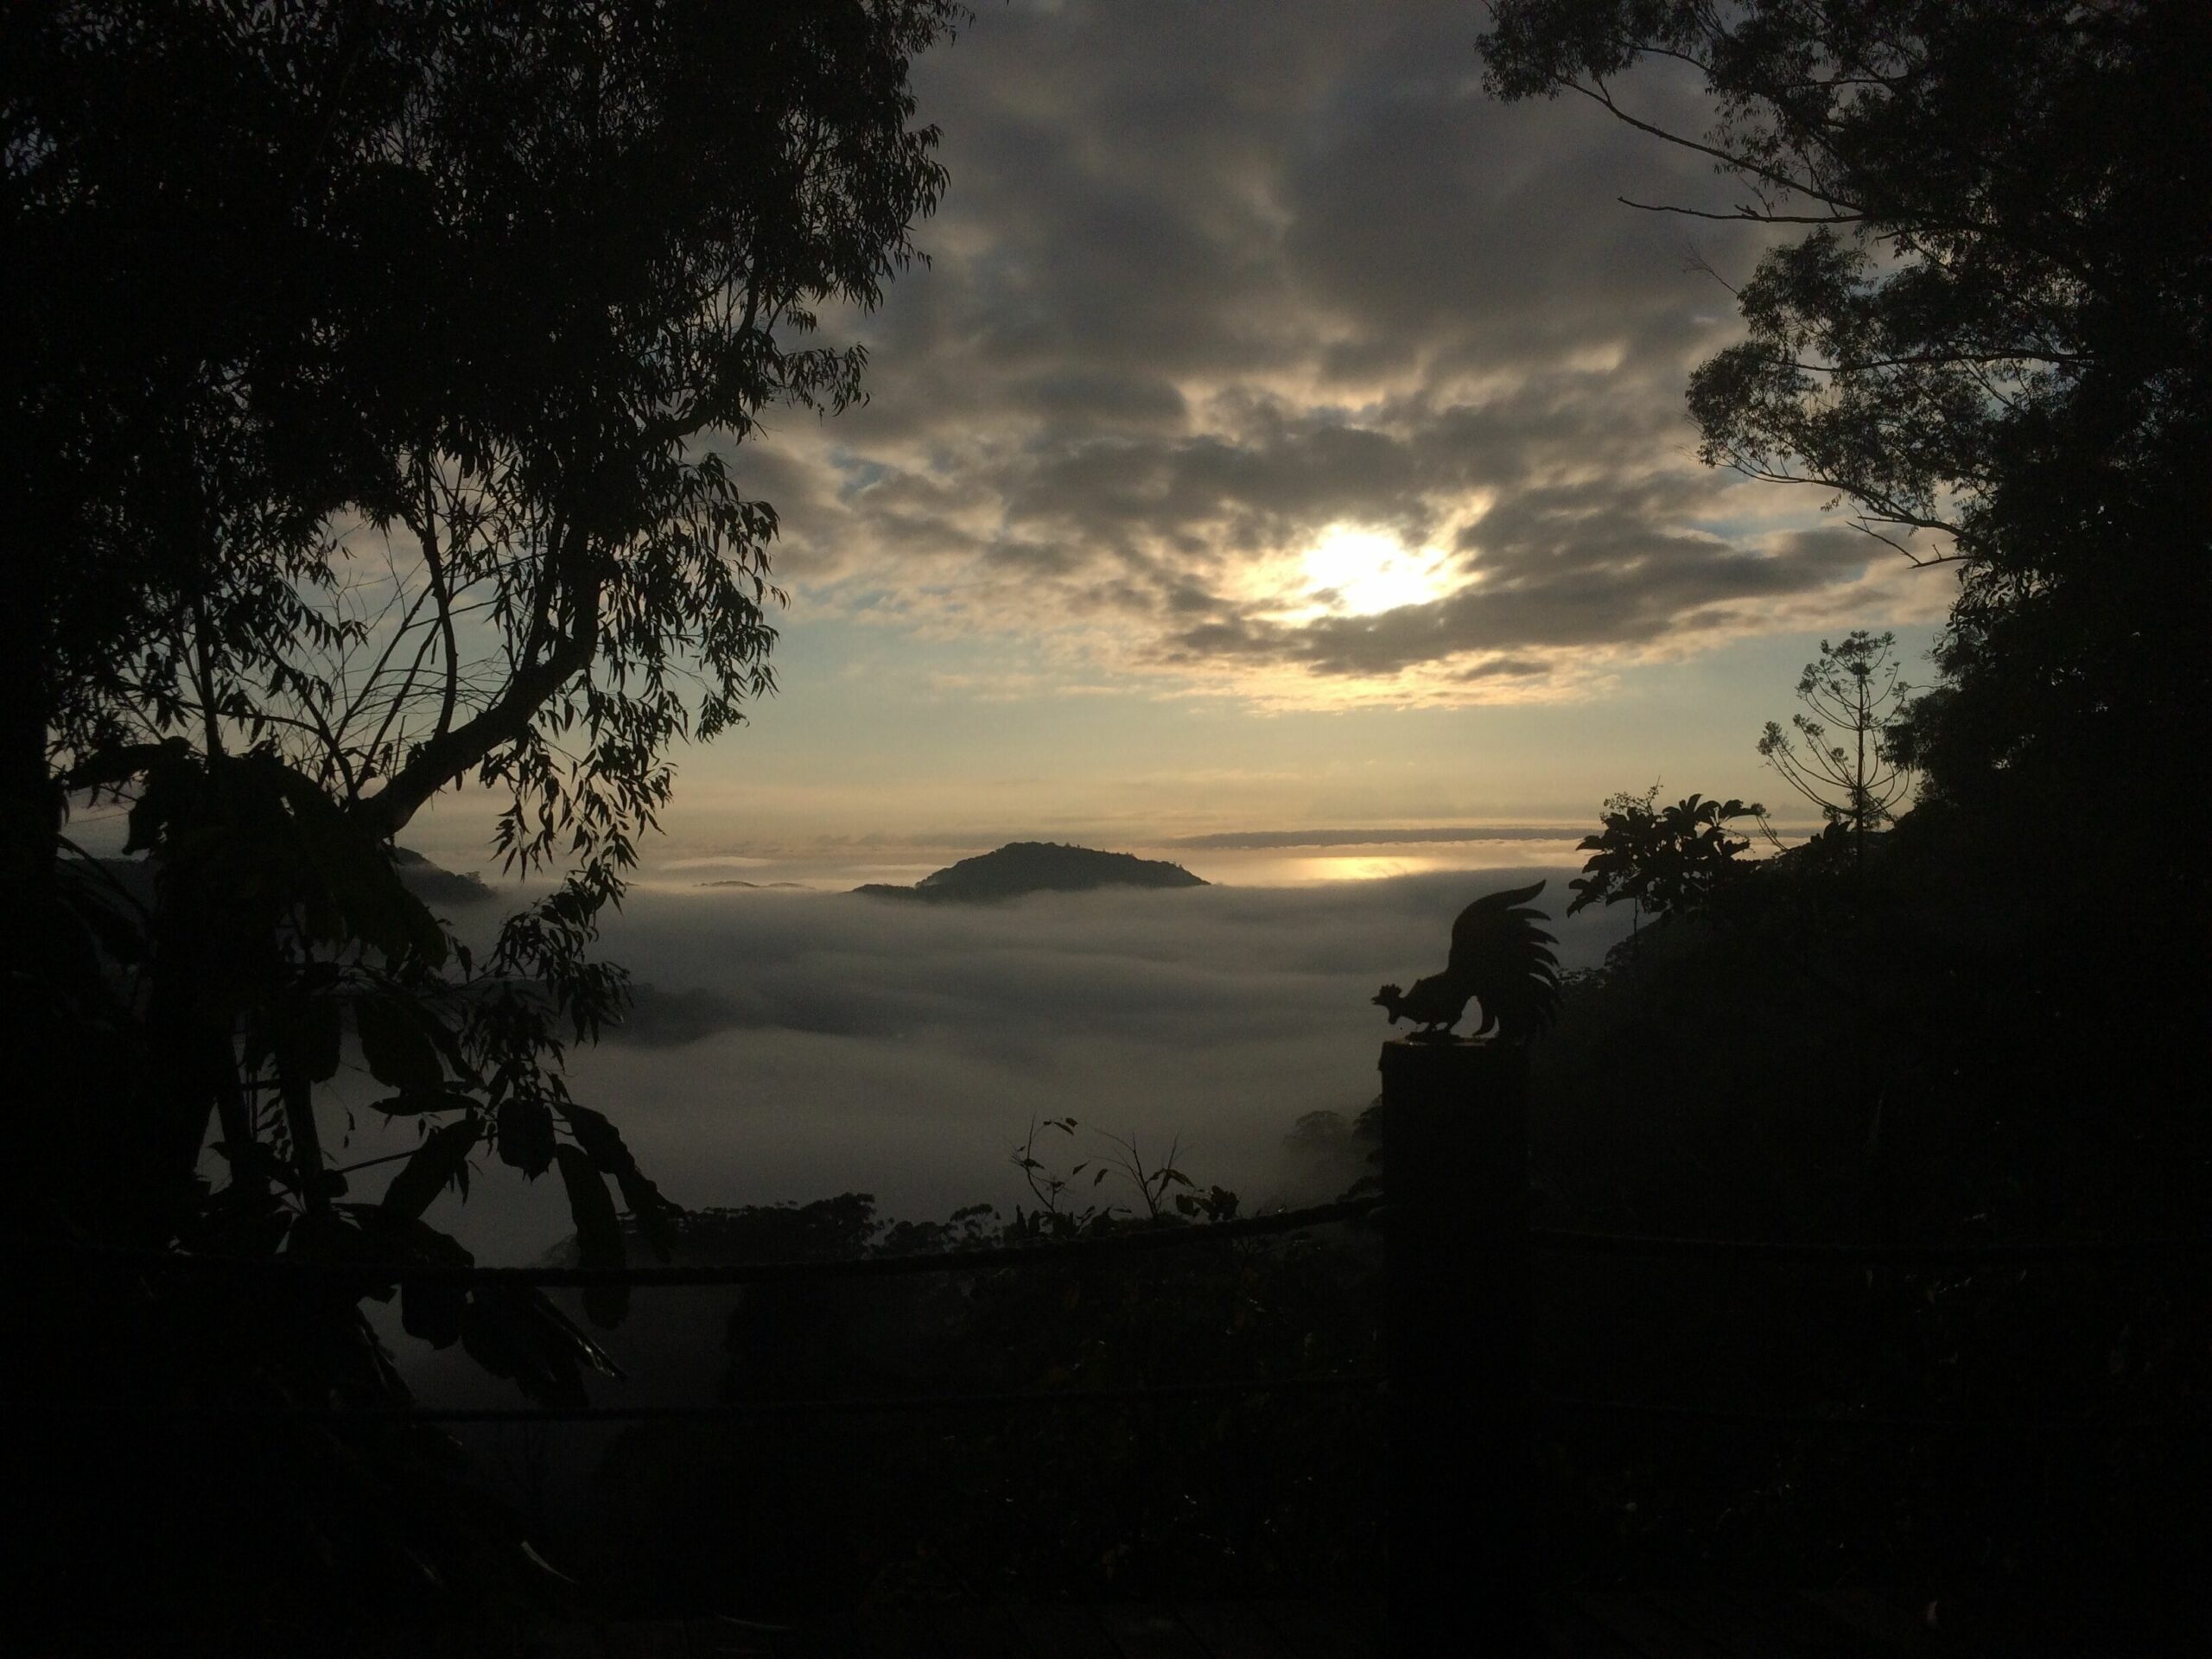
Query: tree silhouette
x: 1982, y: 325
x: 377, y: 375
x: 1666, y: 862
x: 1852, y: 691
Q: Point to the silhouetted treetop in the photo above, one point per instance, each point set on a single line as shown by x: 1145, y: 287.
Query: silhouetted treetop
x: 1987, y: 329
x: 1837, y: 753
x: 495, y: 291
x: 377, y: 375
x: 1664, y: 861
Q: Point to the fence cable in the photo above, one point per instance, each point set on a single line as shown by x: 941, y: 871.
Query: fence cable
x: 1576, y: 1403
x: 1553, y: 1239
x: 1566, y: 1241
x: 861, y: 1405
x: 1133, y: 1242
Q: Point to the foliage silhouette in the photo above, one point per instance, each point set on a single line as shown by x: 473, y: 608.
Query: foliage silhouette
x: 1243, y: 1496
x: 1059, y: 1215
x: 1664, y: 861
x: 1983, y: 323
x: 1750, y: 1072
x: 372, y: 407
x: 1851, y: 691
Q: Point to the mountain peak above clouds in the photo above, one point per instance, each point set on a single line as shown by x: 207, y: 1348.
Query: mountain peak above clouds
x: 1026, y: 866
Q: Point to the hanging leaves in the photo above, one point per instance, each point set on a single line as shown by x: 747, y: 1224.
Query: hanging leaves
x: 526, y: 1136
x: 443, y: 1156
x: 397, y: 1049
x: 599, y: 1235
x: 602, y: 1142
x: 438, y: 1100
x: 303, y: 1034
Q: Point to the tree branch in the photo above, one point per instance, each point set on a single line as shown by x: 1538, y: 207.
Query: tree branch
x: 451, y: 752
x: 1744, y: 213
x: 1599, y: 95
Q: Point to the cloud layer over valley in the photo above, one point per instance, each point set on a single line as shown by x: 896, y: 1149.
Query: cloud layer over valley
x: 794, y: 1045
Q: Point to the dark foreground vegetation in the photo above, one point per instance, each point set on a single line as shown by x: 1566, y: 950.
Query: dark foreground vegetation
x: 284, y: 269
x: 1246, y: 1496
x: 2011, y: 1448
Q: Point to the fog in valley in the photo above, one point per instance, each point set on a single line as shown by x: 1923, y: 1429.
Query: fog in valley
x: 791, y: 1046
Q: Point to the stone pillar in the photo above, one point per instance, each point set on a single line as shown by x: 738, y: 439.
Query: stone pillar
x: 1455, y: 1181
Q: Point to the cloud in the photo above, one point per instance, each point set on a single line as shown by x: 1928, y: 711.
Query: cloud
x: 1212, y: 282
x: 1255, y: 840
x: 792, y: 1046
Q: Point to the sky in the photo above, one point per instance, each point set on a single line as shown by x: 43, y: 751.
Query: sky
x: 1282, y: 435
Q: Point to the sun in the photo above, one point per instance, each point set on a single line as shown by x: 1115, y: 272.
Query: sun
x: 1355, y: 572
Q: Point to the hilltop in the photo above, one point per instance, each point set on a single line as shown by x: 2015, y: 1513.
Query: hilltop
x: 435, y: 885
x: 1023, y: 866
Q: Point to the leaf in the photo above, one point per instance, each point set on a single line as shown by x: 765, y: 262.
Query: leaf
x: 253, y: 1160
x: 529, y: 1553
x: 441, y: 1158
x: 599, y: 1234
x: 554, y: 1332
x: 526, y: 1136
x: 602, y: 1142
x: 441, y: 1100
x: 494, y: 1337
x: 432, y: 1310
x: 396, y: 1048
x: 357, y: 873
x: 101, y: 914
x: 323, y: 1236
x: 303, y: 1036
x: 648, y: 1208
x: 596, y: 1134
x: 520, y: 1335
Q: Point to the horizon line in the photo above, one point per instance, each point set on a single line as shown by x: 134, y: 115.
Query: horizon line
x: 1258, y: 840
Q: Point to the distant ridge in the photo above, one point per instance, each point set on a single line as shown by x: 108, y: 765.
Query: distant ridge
x: 1269, y: 840
x: 1023, y: 866
x: 436, y: 886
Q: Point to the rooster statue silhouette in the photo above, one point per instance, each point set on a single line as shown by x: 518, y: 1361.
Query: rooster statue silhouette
x: 1501, y: 958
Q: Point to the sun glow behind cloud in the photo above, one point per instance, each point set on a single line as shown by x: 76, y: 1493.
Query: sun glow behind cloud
x: 1351, y: 571
x: 1308, y: 377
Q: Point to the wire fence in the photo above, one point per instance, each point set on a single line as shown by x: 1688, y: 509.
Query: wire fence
x: 1927, y: 1255
x: 1849, y: 1422
x: 1138, y: 1242
x: 1144, y: 1241
x: 745, y: 1410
